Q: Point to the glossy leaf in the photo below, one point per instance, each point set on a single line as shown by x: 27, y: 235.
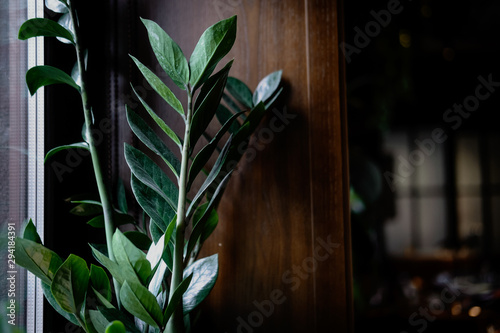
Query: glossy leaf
x: 115, y: 314
x: 98, y: 320
x: 266, y: 87
x: 78, y: 145
x: 171, y: 134
x: 153, y: 204
x: 154, y: 255
x: 224, y: 115
x: 38, y: 259
x: 231, y: 104
x: 66, y: 22
x: 199, y: 229
x: 141, y: 303
x: 176, y: 298
x: 121, y: 196
x: 213, y: 45
x: 38, y: 27
x: 207, y: 103
x: 40, y: 76
x: 127, y: 254
x: 159, y: 87
x: 120, y: 272
x: 139, y: 239
x: 168, y: 53
x: 149, y: 173
x: 30, y: 233
x: 152, y: 141
x: 52, y: 301
x: 211, y: 179
x: 206, y: 152
x: 205, y: 272
x: 70, y: 284
x: 57, y: 6
x: 240, y: 91
x: 100, y: 281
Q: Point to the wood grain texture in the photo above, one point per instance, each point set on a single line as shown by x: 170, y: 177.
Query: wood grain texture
x: 289, y: 196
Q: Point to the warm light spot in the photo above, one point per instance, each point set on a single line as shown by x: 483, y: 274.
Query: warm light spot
x: 426, y: 11
x: 474, y: 311
x: 456, y: 309
x: 448, y: 54
x: 404, y: 39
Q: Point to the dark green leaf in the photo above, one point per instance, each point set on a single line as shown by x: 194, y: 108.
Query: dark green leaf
x: 98, y: 320
x: 70, y: 284
x: 30, y: 233
x: 201, y: 226
x: 232, y: 104
x: 171, y: 134
x: 266, y: 87
x: 141, y: 303
x: 139, y: 239
x: 206, y: 152
x: 40, y: 76
x: 115, y: 314
x: 50, y: 298
x: 36, y: 258
x: 239, y: 91
x: 152, y: 141
x: 159, y: 87
x: 205, y: 272
x: 121, y: 196
x: 120, y: 272
x: 207, y: 103
x: 86, y: 208
x: 37, y: 27
x: 241, y: 138
x: 176, y: 298
x: 149, y: 173
x: 155, y: 206
x: 213, y: 45
x: 127, y: 254
x: 100, y: 281
x: 210, y: 181
x: 223, y: 115
x: 57, y: 6
x: 155, y: 231
x: 168, y: 53
x: 118, y: 219
x: 78, y: 145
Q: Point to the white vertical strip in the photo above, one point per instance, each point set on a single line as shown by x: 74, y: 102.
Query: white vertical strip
x: 34, y: 304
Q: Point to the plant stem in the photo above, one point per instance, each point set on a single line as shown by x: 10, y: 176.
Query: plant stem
x: 101, y: 186
x: 176, y: 322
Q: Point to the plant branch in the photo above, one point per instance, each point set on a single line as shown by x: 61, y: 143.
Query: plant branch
x: 176, y: 323
x: 101, y: 186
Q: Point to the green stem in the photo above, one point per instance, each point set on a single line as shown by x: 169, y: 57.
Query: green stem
x: 101, y: 186
x: 176, y: 322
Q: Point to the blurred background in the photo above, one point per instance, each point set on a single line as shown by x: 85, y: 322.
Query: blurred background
x: 423, y: 86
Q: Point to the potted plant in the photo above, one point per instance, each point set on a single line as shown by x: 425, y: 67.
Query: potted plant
x: 154, y: 286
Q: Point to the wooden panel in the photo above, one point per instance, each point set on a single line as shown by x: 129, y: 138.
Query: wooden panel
x: 283, y: 238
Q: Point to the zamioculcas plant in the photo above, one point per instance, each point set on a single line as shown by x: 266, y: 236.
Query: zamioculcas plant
x: 156, y: 284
